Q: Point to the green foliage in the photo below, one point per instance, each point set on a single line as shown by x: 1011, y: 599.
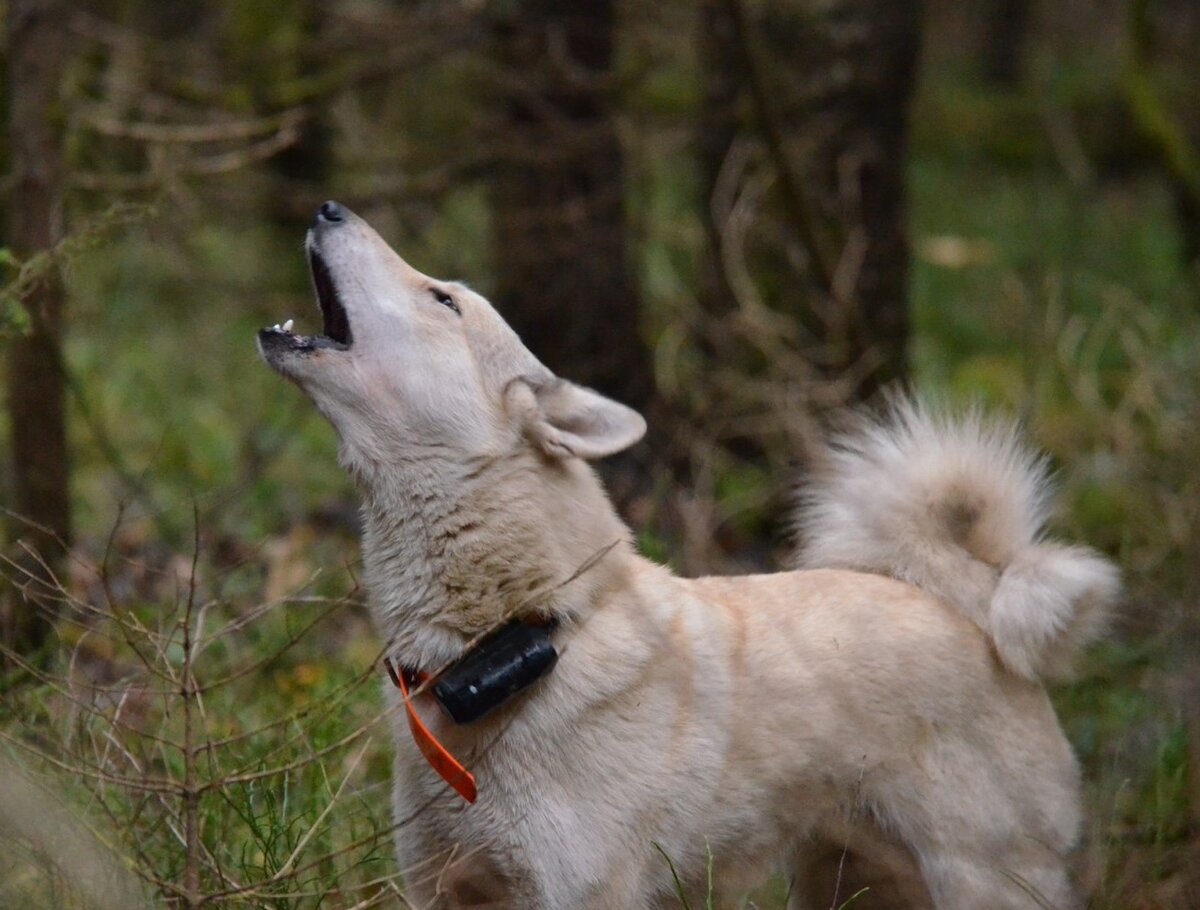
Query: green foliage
x: 231, y: 744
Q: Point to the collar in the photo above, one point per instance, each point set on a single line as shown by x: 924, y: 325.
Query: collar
x: 494, y: 668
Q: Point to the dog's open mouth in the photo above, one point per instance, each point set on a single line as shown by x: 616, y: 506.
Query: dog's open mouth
x: 337, y: 323
x: 335, y: 330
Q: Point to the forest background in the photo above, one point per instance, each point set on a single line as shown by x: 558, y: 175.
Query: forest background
x: 734, y: 215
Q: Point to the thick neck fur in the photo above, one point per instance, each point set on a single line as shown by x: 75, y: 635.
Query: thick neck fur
x: 452, y: 547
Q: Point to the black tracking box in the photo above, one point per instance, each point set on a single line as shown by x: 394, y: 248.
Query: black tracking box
x: 508, y: 660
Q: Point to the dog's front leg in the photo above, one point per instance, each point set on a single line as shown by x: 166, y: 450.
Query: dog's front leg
x: 481, y: 886
x: 464, y: 879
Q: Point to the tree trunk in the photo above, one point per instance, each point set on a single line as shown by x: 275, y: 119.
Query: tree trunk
x: 303, y: 167
x: 36, y: 401
x: 838, y: 110
x: 1005, y: 26
x: 562, y: 275
x: 721, y: 86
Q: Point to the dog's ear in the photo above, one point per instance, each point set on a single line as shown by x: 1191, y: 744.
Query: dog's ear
x: 564, y: 419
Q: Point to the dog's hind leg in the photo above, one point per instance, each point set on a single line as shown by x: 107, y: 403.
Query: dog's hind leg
x: 969, y: 863
x: 857, y: 865
x: 988, y: 840
x: 1011, y: 877
x: 952, y: 869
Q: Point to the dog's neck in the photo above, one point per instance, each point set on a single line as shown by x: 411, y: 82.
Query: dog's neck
x: 452, y: 548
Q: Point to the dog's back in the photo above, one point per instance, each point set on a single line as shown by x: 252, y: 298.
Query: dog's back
x: 957, y: 507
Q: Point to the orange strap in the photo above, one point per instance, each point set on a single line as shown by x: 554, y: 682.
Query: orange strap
x: 448, y: 767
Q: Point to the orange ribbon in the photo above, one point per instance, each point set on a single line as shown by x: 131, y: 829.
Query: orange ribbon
x: 448, y: 767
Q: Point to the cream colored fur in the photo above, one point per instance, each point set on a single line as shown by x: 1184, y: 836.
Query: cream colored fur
x: 771, y: 722
x: 957, y: 507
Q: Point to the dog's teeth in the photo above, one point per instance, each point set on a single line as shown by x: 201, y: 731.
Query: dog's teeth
x: 287, y: 326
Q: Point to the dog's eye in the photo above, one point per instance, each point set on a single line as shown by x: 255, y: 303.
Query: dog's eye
x: 445, y: 300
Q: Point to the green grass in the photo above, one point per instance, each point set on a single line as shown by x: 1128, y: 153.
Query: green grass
x: 253, y: 721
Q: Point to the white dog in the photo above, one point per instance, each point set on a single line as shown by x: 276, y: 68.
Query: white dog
x: 877, y: 717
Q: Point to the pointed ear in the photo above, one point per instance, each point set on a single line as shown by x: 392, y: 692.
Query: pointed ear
x: 565, y: 419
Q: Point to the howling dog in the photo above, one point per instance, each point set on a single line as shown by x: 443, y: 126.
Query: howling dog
x: 577, y: 727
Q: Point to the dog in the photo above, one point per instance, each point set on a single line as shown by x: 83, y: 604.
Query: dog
x: 875, y: 715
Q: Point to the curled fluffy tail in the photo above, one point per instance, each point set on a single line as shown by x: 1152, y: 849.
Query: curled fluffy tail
x: 957, y: 507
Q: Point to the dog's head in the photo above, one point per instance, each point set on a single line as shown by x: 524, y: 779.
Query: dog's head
x: 408, y: 363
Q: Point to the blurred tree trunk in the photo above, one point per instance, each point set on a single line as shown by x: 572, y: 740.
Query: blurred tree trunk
x: 37, y: 44
x: 1187, y: 208
x: 722, y: 77
x: 1167, y: 118
x: 830, y: 88
x: 562, y: 273
x: 303, y: 167
x: 1005, y: 26
x: 857, y: 68
x: 721, y: 85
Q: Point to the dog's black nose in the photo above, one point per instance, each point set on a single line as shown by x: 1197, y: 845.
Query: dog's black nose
x: 331, y: 211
